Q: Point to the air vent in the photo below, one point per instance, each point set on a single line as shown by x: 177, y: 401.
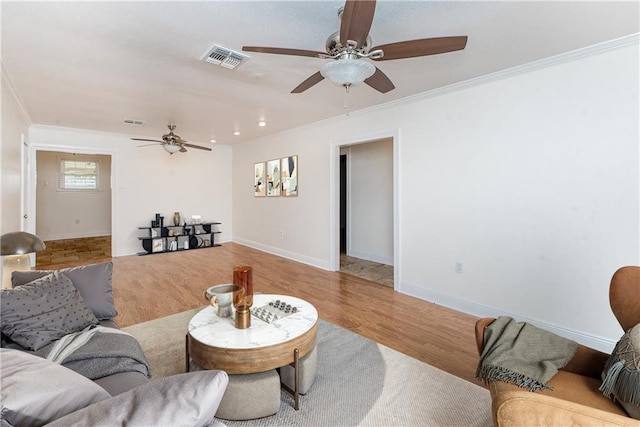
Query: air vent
x: 224, y: 57
x: 133, y: 122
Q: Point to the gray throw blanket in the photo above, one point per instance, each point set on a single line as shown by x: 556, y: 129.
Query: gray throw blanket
x: 522, y: 354
x: 105, y: 353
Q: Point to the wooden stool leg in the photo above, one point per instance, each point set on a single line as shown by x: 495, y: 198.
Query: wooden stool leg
x: 186, y: 351
x: 296, y: 380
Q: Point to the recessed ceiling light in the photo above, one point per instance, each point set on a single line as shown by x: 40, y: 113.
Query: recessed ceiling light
x: 212, y: 140
x: 262, y: 123
x: 236, y: 132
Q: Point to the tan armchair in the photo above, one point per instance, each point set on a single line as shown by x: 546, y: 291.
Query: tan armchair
x: 575, y: 399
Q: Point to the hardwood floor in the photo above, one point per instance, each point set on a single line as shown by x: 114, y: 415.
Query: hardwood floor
x: 83, y: 250
x: 153, y: 286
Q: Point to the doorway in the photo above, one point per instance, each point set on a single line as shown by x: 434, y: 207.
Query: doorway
x: 73, y: 201
x: 366, y: 199
x: 343, y: 204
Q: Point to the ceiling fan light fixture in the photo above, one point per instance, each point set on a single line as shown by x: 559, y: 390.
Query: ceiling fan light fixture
x: 171, y: 148
x: 347, y: 71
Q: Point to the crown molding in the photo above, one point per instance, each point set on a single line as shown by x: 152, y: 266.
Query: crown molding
x: 597, y: 49
x: 9, y: 84
x: 629, y: 40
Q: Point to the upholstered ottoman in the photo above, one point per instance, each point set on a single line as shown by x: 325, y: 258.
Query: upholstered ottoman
x: 249, y: 396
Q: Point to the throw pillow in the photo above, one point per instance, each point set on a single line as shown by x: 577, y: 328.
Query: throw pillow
x: 36, y: 391
x: 190, y: 399
x: 621, y: 376
x: 93, y: 281
x: 42, y: 311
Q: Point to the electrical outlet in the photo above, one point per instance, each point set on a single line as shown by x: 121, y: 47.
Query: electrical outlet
x: 458, y: 267
x: 281, y: 233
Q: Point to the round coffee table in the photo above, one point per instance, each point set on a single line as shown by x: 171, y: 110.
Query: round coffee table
x: 215, y: 343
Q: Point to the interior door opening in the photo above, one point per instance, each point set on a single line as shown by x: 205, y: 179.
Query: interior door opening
x: 343, y: 204
x: 73, y: 207
x: 366, y: 211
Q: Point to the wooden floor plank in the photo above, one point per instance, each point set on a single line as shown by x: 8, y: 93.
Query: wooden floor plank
x: 153, y: 286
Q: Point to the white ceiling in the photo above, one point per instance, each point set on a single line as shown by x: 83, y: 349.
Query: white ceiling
x: 90, y: 65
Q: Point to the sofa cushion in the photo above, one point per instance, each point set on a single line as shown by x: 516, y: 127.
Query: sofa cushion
x: 93, y: 281
x: 42, y: 311
x: 180, y: 400
x: 36, y: 391
x: 621, y: 375
x: 121, y: 382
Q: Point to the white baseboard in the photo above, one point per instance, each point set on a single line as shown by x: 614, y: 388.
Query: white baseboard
x: 314, y: 262
x: 469, y: 307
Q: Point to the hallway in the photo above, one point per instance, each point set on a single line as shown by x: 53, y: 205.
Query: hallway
x: 374, y: 271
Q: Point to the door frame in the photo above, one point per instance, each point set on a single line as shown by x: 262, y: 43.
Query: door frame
x: 27, y: 222
x: 35, y: 147
x: 334, y: 199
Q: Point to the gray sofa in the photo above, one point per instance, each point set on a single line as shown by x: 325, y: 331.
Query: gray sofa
x: 64, y: 362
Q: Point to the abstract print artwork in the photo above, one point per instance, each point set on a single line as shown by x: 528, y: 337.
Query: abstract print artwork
x: 259, y: 180
x: 289, y: 175
x: 273, y: 178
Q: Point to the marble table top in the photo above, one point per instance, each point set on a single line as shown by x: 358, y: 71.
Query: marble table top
x: 209, y: 329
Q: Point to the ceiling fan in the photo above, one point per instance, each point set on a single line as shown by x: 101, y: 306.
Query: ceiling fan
x: 352, y: 44
x: 171, y: 142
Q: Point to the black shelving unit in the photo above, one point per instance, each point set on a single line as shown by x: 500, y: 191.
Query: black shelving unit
x: 175, y: 238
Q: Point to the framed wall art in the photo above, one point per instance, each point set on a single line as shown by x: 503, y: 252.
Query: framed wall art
x: 273, y: 178
x: 289, y: 175
x: 259, y: 180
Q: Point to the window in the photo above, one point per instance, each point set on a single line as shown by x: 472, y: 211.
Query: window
x: 78, y: 175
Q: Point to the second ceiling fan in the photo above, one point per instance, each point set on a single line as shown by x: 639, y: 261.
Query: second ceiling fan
x: 350, y: 46
x: 171, y: 142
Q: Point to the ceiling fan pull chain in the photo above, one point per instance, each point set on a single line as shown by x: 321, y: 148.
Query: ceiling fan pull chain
x: 346, y: 98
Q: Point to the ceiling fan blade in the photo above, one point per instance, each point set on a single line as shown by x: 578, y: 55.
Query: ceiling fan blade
x: 183, y: 150
x: 355, y: 24
x: 150, y: 140
x: 147, y: 145
x: 194, y: 146
x: 380, y: 82
x: 421, y: 47
x: 314, y: 79
x: 284, y: 51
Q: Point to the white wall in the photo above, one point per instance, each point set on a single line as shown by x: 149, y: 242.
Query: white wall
x: 14, y: 124
x: 530, y: 179
x: 370, y: 201
x: 71, y: 214
x: 147, y: 180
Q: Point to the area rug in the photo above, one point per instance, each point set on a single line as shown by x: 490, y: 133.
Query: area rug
x: 359, y: 382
